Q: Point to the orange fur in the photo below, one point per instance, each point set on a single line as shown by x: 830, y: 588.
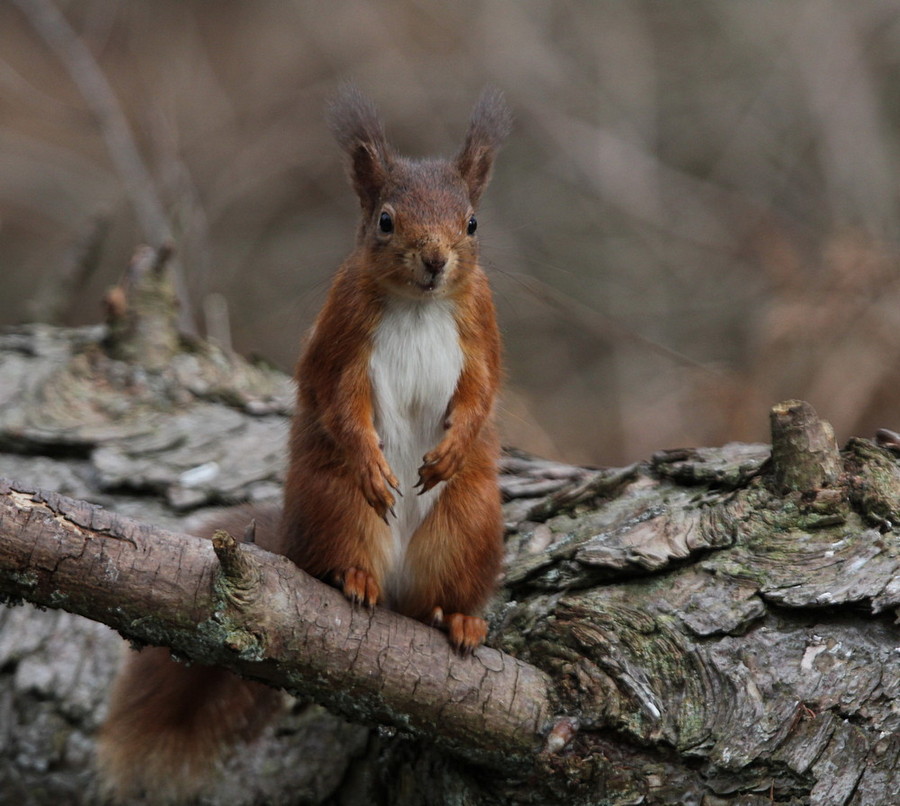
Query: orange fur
x: 340, y: 489
x: 169, y: 724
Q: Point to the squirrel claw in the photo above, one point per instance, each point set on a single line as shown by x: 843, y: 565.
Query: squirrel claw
x: 360, y: 588
x: 427, y: 481
x: 466, y: 633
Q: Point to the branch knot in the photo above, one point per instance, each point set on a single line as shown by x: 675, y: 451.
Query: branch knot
x: 238, y: 580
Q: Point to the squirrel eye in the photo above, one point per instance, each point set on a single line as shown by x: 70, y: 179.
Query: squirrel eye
x: 386, y: 223
x: 473, y: 225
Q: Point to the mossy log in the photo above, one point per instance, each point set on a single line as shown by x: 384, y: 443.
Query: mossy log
x: 716, y: 625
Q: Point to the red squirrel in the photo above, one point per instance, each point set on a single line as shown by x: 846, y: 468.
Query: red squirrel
x: 391, y: 489
x: 392, y: 482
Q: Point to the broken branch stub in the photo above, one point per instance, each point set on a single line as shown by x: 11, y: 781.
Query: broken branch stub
x: 804, y: 452
x: 142, y: 312
x: 239, y: 575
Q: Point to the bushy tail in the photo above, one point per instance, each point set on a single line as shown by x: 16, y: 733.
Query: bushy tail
x: 169, y: 725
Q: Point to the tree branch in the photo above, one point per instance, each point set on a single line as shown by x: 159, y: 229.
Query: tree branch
x: 53, y: 27
x: 264, y: 618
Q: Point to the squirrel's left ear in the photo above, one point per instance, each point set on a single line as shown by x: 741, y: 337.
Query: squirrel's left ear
x: 490, y: 126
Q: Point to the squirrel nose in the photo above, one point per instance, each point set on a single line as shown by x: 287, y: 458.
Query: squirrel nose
x: 434, y: 264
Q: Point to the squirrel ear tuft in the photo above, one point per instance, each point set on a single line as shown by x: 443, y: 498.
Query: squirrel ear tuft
x: 490, y: 125
x: 355, y: 125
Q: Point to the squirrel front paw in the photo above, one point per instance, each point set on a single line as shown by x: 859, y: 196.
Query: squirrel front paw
x: 376, y: 482
x: 439, y: 465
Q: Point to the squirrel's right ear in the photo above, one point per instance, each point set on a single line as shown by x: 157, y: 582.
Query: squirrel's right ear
x: 490, y: 126
x: 355, y: 125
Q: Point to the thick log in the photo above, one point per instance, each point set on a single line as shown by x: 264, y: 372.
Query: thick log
x: 711, y: 633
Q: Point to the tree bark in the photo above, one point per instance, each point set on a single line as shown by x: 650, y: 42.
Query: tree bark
x: 713, y: 626
x: 229, y: 604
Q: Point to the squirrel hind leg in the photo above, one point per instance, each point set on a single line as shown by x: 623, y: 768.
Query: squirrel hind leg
x: 169, y: 726
x: 454, y: 558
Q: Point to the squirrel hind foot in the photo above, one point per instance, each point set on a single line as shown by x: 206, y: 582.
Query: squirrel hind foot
x: 466, y: 633
x: 360, y: 587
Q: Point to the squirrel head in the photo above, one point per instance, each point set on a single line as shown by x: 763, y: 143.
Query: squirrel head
x: 418, y: 216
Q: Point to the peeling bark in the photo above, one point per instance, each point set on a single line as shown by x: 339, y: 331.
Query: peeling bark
x: 716, y: 627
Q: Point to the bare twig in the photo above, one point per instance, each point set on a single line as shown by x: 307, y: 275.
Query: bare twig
x: 52, y: 26
x: 49, y: 22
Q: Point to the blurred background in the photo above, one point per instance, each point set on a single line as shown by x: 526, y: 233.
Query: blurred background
x: 696, y: 215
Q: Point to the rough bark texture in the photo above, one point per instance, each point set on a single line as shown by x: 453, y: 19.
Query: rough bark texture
x: 225, y: 603
x: 711, y: 638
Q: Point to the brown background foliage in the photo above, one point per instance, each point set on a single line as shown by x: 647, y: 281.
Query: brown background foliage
x: 696, y: 217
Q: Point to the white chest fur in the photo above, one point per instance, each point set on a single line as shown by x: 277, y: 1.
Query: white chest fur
x: 415, y: 365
